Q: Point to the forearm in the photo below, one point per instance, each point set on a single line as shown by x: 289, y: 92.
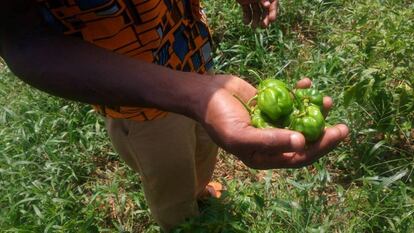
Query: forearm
x: 76, y: 70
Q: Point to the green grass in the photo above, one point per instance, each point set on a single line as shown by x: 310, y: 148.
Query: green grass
x: 58, y: 172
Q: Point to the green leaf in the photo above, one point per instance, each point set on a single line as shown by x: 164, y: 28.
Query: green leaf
x: 259, y: 201
x: 386, y: 182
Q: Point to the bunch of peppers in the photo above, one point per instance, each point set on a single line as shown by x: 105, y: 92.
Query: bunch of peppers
x: 279, y: 106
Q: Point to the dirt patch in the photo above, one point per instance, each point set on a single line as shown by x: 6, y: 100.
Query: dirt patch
x: 229, y: 167
x: 306, y: 35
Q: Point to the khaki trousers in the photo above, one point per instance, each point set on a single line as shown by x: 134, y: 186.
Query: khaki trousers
x: 175, y: 158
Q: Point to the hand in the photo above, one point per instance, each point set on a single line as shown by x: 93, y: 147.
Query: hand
x: 228, y: 123
x: 259, y: 12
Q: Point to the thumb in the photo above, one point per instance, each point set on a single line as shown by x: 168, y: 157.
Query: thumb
x: 274, y: 141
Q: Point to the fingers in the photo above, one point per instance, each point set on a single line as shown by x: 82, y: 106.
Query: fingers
x: 265, y: 3
x: 331, y: 138
x: 272, y: 141
x: 247, y: 13
x: 304, y: 83
x: 273, y: 11
x: 257, y: 15
x: 269, y: 12
x: 267, y: 144
x: 327, y: 105
x: 265, y: 18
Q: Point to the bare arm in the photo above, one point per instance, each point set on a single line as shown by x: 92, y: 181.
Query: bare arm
x: 77, y: 70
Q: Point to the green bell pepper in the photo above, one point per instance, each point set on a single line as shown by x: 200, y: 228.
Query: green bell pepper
x: 310, y: 95
x: 259, y: 120
x: 275, y: 101
x: 309, y: 121
x: 270, y: 82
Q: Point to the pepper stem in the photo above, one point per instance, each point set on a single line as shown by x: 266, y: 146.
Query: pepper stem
x: 246, y: 106
x: 298, y: 102
x: 250, y: 100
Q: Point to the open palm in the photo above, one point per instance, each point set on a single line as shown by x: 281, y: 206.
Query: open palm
x: 228, y: 123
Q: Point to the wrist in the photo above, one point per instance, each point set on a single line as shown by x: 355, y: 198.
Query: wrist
x: 198, y: 92
x: 207, y: 88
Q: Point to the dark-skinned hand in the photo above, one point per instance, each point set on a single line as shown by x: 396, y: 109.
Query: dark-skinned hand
x: 259, y: 12
x: 228, y: 123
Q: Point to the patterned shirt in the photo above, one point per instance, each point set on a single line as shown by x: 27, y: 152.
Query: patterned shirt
x: 171, y: 33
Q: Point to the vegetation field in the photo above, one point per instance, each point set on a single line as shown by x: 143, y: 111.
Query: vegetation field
x: 59, y: 173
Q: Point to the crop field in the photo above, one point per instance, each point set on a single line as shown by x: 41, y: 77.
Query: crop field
x: 59, y: 173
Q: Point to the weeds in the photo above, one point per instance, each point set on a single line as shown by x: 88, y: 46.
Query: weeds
x: 58, y: 172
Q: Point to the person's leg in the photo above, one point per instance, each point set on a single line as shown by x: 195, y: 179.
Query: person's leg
x: 162, y: 151
x: 205, y: 161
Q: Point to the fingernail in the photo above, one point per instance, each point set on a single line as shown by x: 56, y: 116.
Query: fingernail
x: 297, y: 141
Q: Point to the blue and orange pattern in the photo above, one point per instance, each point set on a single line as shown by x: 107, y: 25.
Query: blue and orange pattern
x: 171, y: 33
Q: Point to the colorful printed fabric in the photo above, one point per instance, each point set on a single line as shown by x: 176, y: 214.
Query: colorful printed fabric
x: 170, y: 33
